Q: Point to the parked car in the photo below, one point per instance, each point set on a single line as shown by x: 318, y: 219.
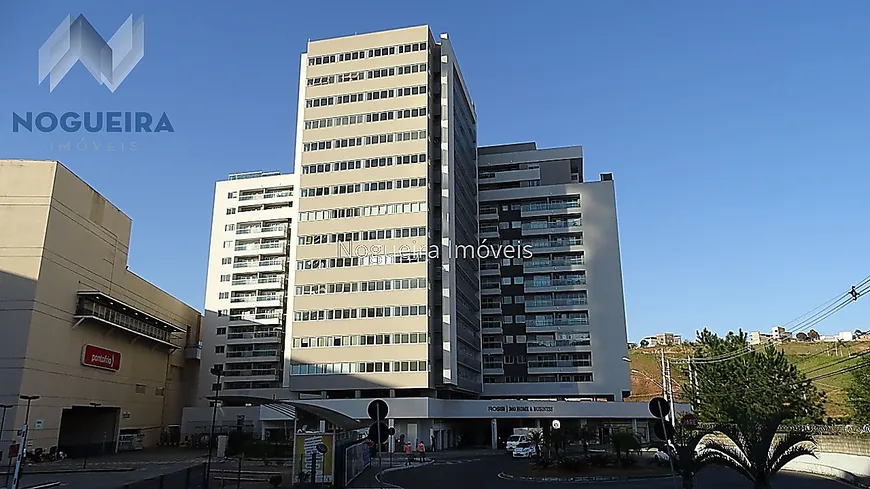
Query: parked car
x: 661, y: 457
x: 513, y: 441
x: 524, y: 449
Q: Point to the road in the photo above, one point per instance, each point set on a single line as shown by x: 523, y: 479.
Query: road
x: 480, y: 471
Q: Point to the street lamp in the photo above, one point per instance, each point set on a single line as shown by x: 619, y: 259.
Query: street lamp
x: 217, y: 371
x: 3, y: 425
x: 90, y: 439
x: 29, y: 399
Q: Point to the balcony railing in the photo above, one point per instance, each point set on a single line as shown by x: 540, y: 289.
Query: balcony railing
x: 556, y: 302
x: 254, y: 263
x: 254, y: 317
x: 557, y: 343
x: 261, y: 280
x: 263, y: 229
x: 257, y: 298
x: 557, y: 322
x: 574, y: 261
x: 251, y: 336
x: 252, y: 354
x: 260, y: 246
x: 559, y: 363
x: 556, y: 243
x: 270, y: 195
x: 250, y: 373
x: 529, y: 226
x: 552, y: 206
x: 489, y: 266
x: 556, y: 282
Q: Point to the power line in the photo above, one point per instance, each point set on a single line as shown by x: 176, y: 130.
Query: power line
x: 806, y: 321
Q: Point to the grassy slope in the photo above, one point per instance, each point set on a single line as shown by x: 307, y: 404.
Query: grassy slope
x: 807, y: 356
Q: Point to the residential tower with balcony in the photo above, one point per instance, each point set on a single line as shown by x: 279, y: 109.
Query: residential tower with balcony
x: 249, y: 272
x: 553, y: 315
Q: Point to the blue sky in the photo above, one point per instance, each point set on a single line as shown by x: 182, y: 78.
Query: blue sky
x: 738, y: 133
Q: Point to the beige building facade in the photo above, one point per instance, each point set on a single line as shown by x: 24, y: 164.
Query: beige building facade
x: 111, y: 356
x: 386, y: 152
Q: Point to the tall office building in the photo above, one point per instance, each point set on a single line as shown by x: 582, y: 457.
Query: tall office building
x: 553, y: 314
x: 386, y: 149
x: 249, y: 272
x: 382, y: 268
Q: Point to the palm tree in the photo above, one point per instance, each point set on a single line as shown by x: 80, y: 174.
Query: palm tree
x: 536, y: 437
x: 756, y: 451
x: 690, y: 456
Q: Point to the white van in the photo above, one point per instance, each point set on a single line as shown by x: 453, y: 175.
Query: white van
x: 515, y: 440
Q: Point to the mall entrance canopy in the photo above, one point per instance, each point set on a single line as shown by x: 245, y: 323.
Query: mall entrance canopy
x: 334, y: 417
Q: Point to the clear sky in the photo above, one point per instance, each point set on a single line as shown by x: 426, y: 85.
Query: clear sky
x: 738, y: 133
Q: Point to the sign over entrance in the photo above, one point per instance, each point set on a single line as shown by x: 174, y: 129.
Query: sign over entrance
x: 519, y: 408
x: 96, y: 357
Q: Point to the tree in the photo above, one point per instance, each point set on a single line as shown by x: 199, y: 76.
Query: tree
x: 753, y: 383
x: 801, y: 337
x: 586, y: 435
x: 632, y: 346
x: 644, y: 343
x: 858, y: 392
x: 689, y: 457
x: 813, y: 335
x: 755, y: 450
x: 536, y: 437
x: 624, y: 441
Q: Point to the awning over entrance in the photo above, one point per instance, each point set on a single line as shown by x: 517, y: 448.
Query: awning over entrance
x: 109, y: 311
x: 334, y: 417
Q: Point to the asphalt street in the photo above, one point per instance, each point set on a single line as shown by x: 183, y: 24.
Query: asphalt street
x: 477, y: 471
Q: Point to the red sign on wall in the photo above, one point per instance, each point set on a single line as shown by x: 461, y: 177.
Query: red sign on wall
x: 94, y: 356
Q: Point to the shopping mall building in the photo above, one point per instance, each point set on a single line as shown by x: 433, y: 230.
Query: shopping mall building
x: 92, y: 355
x: 475, y: 289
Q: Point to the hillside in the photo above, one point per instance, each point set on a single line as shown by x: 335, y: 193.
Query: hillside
x: 807, y: 356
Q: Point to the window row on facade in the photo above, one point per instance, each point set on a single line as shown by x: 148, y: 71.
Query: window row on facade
x: 363, y: 211
x: 367, y: 74
x: 352, y: 98
x: 359, y: 367
x: 354, y: 188
x: 364, y: 286
x: 361, y: 340
x: 359, y: 313
x: 361, y: 261
x: 393, y: 137
x: 369, y: 235
x: 366, y: 53
x: 380, y: 116
x: 379, y: 162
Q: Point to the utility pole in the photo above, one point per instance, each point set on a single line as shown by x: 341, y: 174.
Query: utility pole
x: 670, y: 386
x: 664, y: 377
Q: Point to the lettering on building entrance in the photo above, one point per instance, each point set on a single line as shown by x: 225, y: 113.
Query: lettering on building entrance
x: 507, y: 408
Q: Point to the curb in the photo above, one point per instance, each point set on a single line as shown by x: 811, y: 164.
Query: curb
x: 581, y: 480
x: 396, y: 469
x: 849, y: 482
x: 73, y: 471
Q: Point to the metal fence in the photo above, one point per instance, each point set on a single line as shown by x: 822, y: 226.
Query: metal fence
x: 189, y: 478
